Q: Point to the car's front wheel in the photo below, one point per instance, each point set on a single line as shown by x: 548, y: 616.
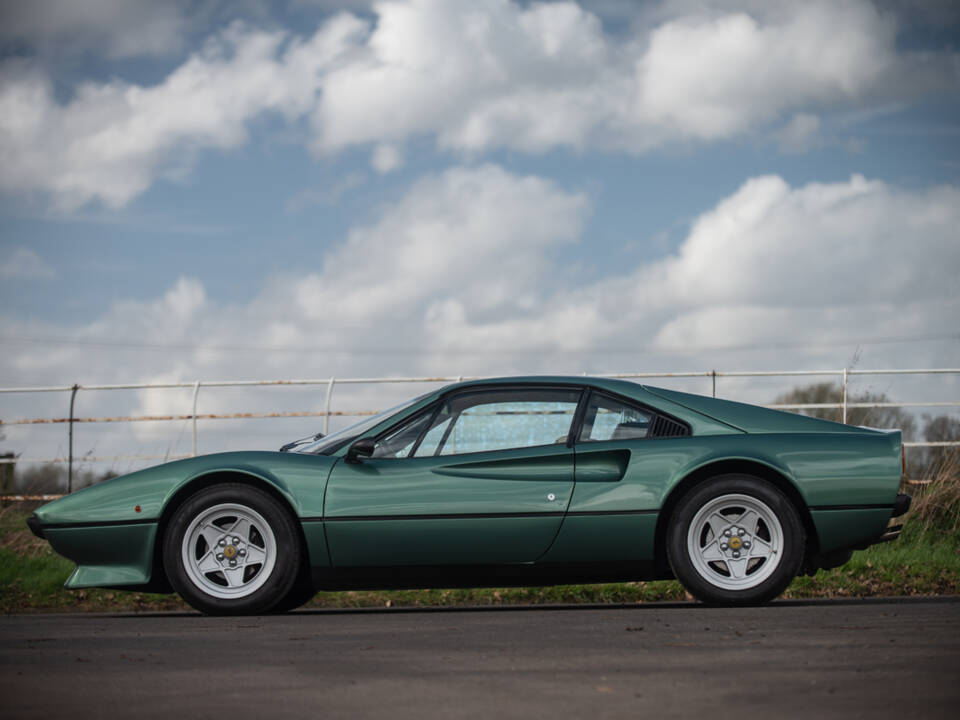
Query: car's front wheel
x: 232, y: 549
x: 735, y: 539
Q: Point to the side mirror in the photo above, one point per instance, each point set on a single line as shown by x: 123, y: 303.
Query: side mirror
x: 362, y: 448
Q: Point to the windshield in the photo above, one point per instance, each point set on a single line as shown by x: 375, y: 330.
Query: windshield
x: 333, y: 442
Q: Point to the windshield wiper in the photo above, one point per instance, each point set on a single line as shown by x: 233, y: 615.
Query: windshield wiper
x: 301, y: 441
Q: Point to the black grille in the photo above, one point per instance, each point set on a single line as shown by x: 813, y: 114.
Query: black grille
x: 665, y: 427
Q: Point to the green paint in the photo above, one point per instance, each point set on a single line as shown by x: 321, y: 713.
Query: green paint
x: 397, y: 511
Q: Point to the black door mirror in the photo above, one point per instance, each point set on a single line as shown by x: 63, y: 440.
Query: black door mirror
x: 362, y: 448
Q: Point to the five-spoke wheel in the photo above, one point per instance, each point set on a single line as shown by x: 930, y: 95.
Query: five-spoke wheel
x: 229, y: 550
x: 232, y: 548
x: 735, y: 539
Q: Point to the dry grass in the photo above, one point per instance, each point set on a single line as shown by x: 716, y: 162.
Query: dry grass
x: 16, y: 536
x: 937, y: 506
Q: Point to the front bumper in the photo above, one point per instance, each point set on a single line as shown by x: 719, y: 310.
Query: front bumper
x: 33, y: 522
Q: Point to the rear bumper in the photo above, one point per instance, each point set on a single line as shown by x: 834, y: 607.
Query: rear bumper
x: 841, y: 530
x: 901, y: 505
x: 892, y: 532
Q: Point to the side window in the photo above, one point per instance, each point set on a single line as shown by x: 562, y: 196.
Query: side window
x: 433, y: 438
x: 400, y: 442
x: 500, y: 420
x: 610, y: 419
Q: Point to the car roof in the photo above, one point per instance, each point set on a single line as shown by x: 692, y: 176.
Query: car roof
x: 624, y: 387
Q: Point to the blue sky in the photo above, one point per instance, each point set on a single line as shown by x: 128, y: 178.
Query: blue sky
x: 235, y: 190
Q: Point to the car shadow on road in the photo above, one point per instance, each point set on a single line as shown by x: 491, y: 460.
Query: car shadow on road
x: 690, y: 606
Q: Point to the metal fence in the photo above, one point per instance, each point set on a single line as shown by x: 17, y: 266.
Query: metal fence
x: 194, y: 416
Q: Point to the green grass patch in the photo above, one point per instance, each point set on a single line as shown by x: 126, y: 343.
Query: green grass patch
x: 924, y: 561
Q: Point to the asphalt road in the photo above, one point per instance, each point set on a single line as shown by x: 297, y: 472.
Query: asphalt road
x: 871, y: 659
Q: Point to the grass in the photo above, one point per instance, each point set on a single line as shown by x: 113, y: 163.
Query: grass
x: 925, y: 560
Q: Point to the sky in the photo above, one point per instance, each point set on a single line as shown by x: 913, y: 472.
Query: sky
x: 214, y: 190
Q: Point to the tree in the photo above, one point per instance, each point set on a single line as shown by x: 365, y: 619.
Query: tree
x: 821, y: 393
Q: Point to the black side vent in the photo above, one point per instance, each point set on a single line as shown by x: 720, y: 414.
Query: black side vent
x: 665, y: 427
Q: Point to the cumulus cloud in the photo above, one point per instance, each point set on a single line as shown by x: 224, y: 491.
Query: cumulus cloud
x: 111, y: 141
x: 461, y: 276
x: 498, y: 74
x: 466, y: 264
x: 474, y: 77
x: 810, y: 267
x: 479, y: 235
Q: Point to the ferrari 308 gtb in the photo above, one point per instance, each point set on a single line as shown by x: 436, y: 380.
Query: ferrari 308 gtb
x: 511, y: 481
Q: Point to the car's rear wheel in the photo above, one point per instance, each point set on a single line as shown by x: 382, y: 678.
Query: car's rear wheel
x: 735, y: 539
x: 232, y: 549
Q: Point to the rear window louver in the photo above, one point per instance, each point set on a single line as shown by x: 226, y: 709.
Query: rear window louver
x: 665, y: 427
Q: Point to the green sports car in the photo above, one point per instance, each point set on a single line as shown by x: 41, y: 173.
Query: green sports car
x: 510, y: 481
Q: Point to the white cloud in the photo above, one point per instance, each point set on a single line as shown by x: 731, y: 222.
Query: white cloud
x: 497, y: 74
x: 111, y: 141
x: 474, y: 77
x: 463, y: 271
x: 23, y: 262
x: 809, y: 269
x: 481, y: 236
x: 461, y: 276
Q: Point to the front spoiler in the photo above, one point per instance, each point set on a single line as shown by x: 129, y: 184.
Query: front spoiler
x: 33, y: 522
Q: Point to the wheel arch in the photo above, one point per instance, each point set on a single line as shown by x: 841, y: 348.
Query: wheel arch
x: 159, y: 577
x: 726, y: 467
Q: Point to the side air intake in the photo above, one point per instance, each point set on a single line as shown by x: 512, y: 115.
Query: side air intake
x: 665, y: 427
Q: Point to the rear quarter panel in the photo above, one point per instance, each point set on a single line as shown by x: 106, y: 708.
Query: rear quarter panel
x: 835, y: 474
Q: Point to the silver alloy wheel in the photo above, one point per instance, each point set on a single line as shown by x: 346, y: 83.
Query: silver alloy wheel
x: 735, y: 542
x: 228, y: 551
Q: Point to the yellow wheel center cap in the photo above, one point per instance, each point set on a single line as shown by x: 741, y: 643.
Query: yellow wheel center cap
x: 229, y: 552
x: 735, y: 543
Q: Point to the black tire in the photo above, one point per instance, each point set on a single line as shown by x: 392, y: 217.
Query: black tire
x: 756, y: 561
x: 253, y: 587
x: 300, y: 594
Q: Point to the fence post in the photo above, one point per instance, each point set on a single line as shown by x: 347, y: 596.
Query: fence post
x: 73, y: 397
x: 844, y: 396
x: 196, y: 391
x: 326, y: 412
x: 713, y: 374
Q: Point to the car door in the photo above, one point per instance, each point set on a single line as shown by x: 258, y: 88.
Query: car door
x: 482, y: 477
x: 623, y: 456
